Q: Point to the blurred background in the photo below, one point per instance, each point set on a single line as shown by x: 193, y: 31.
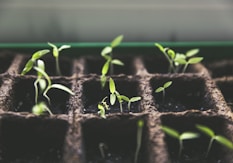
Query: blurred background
x: 102, y: 20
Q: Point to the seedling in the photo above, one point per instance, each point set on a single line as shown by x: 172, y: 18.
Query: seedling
x: 180, y: 137
x: 35, y: 56
x: 56, y: 53
x: 140, y: 125
x: 176, y: 60
x: 219, y: 138
x: 162, y: 88
x: 107, y: 54
x: 130, y: 100
x: 102, y: 148
x: 50, y: 85
x: 103, y: 106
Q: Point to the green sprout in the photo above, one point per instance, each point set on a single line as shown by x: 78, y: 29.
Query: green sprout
x: 130, y: 100
x: 178, y: 60
x: 140, y: 125
x: 56, y: 53
x: 35, y: 56
x: 103, y: 106
x: 50, y: 85
x: 180, y: 137
x: 220, y: 139
x: 40, y: 108
x: 162, y: 88
x: 107, y: 54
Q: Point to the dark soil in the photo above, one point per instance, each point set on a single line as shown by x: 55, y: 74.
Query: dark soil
x: 33, y: 140
x: 5, y: 61
x: 119, y: 135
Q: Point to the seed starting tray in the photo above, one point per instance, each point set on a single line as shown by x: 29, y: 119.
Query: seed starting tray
x: 73, y: 134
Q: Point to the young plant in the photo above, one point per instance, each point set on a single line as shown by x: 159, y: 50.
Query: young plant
x: 140, y: 125
x: 220, y: 139
x: 162, y: 88
x: 179, y: 136
x: 56, y: 53
x: 107, y: 54
x: 50, y: 85
x: 31, y: 62
x: 130, y: 100
x: 177, y: 60
x: 103, y: 106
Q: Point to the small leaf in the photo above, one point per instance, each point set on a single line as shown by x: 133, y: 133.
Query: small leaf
x: 167, y: 84
x: 195, y: 60
x: 55, y: 50
x: 171, y: 132
x: 125, y: 98
x: 112, y: 86
x: 161, y: 48
x: 205, y: 130
x: 140, y: 123
x: 39, y: 54
x: 105, y: 68
x: 27, y: 67
x: 189, y: 135
x: 106, y: 51
x: 117, y: 62
x: 224, y: 141
x: 160, y: 89
x: 117, y: 41
x: 171, y: 53
x: 181, y: 61
x: 134, y: 99
x: 64, y: 47
x: 112, y: 99
x: 192, y: 52
x: 62, y: 87
x: 42, y: 84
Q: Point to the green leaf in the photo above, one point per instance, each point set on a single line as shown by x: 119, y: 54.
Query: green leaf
x: 192, y: 52
x: 112, y: 86
x: 171, y: 53
x: 181, y: 61
x: 106, y: 51
x: 103, y: 80
x: 161, y: 48
x: 224, y: 141
x: 64, y: 47
x: 112, y: 99
x: 206, y: 130
x: 160, y: 89
x: 105, y: 68
x: 125, y: 98
x: 167, y: 84
x: 189, y: 135
x: 44, y: 74
x: 37, y: 109
x: 117, y: 41
x: 39, y: 54
x: 117, y: 62
x: 195, y: 60
x: 62, y: 87
x: 42, y: 84
x: 134, y: 99
x: 171, y: 132
x: 27, y: 67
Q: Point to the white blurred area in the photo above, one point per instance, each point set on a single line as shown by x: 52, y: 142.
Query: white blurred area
x: 102, y: 20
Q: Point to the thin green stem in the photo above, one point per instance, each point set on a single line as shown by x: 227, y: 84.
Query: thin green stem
x: 209, y: 147
x: 36, y: 90
x: 180, y: 148
x: 163, y: 95
x: 58, y: 66
x: 121, y: 107
x: 111, y: 65
x: 185, y: 67
x: 139, y: 142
